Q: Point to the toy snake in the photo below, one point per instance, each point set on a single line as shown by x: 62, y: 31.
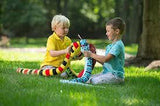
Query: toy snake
x: 88, y: 64
x: 76, y: 50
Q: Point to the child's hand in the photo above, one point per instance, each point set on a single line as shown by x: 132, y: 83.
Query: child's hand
x: 79, y: 58
x: 87, y: 53
x: 67, y: 50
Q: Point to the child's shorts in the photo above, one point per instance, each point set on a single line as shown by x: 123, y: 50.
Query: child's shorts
x: 107, y: 78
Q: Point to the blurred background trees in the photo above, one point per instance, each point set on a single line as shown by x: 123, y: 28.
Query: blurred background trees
x: 149, y: 46
x: 31, y: 18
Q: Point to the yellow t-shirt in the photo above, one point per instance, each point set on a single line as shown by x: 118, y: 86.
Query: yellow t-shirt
x: 55, y: 43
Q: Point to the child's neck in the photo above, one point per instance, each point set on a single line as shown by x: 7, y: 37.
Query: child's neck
x: 116, y: 39
x: 61, y: 37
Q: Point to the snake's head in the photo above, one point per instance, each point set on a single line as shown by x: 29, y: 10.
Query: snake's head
x: 84, y: 45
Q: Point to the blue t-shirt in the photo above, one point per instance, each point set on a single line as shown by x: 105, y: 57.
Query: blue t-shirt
x: 116, y: 64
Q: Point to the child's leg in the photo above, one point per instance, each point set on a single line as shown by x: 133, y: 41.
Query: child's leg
x: 107, y: 78
x: 93, y: 76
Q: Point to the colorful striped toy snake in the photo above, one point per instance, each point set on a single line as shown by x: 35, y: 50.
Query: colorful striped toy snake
x: 76, y: 50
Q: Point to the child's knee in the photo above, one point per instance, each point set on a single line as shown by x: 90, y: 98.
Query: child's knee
x: 94, y: 81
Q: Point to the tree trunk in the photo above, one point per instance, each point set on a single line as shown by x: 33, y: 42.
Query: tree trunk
x: 117, y: 7
x: 59, y: 10
x: 149, y: 46
x: 65, y: 7
x: 135, y: 30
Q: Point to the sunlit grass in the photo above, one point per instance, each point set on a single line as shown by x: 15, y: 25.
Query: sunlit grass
x: 21, y: 56
x: 131, y: 49
x: 140, y: 87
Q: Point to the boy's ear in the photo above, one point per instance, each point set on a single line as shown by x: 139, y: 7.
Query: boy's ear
x: 54, y: 28
x: 117, y: 31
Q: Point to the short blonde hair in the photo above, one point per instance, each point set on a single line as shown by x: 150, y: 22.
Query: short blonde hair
x: 59, y: 20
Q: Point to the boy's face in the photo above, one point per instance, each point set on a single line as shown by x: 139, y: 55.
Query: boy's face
x: 111, y: 33
x: 61, y: 30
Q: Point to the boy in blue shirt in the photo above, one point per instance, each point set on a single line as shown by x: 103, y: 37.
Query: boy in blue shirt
x: 113, y: 61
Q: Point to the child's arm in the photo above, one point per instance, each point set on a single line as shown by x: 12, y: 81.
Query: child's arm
x: 99, y: 58
x: 55, y: 53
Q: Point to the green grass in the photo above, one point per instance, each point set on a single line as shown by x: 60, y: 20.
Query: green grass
x: 140, y: 87
x: 41, y: 42
x: 20, y: 42
x: 131, y: 49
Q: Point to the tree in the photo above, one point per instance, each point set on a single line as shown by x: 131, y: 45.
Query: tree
x: 88, y: 17
x: 131, y: 12
x: 32, y: 18
x: 149, y: 46
x: 22, y: 18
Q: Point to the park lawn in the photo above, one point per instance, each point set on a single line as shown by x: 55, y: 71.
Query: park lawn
x: 140, y: 87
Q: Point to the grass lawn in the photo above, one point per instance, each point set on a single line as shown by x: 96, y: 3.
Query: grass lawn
x: 41, y: 42
x: 140, y: 88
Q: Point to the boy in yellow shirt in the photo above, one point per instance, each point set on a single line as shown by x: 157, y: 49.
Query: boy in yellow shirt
x: 58, y: 44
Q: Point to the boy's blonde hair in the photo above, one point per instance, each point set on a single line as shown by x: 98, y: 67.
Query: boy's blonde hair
x: 59, y: 20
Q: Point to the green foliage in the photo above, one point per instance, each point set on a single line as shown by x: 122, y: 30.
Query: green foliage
x: 140, y: 87
x: 89, y: 17
x: 32, y: 18
x: 22, y: 18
